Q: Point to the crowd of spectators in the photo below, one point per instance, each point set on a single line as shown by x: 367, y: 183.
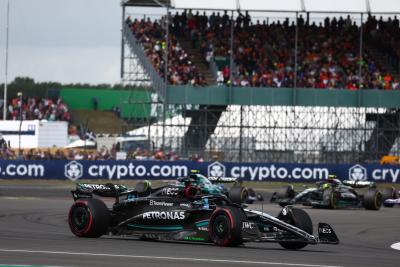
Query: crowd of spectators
x: 386, y: 36
x: 328, y: 53
x: 7, y: 153
x: 327, y: 57
x: 151, y: 35
x: 37, y: 108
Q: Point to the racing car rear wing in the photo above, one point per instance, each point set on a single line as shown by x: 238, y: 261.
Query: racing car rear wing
x: 215, y: 179
x: 359, y: 184
x: 104, y: 190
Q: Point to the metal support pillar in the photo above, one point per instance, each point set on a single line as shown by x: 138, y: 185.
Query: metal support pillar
x: 122, y: 43
x: 231, y: 49
x: 6, y: 63
x: 360, y: 80
x: 165, y: 105
x: 241, y: 135
x: 296, y: 37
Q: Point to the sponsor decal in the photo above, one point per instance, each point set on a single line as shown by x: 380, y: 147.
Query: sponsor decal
x: 202, y: 228
x: 187, y: 205
x: 357, y: 173
x: 325, y: 231
x: 247, y: 225
x: 222, y: 179
x: 73, y: 170
x: 161, y: 203
x: 216, y: 169
x: 285, y: 211
x: 164, y: 215
x: 95, y: 186
x: 193, y: 238
x: 130, y: 198
x: 170, y: 191
x: 150, y: 236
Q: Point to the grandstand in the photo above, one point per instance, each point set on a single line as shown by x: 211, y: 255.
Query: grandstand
x: 287, y: 81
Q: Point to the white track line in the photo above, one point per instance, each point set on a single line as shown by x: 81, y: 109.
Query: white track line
x: 395, y: 246
x: 162, y: 258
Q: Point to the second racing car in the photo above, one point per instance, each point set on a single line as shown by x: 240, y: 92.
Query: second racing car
x: 332, y: 194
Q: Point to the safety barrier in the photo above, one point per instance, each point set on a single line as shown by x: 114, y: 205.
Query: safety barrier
x: 162, y: 170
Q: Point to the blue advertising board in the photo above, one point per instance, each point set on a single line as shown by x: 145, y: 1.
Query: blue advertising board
x: 163, y: 170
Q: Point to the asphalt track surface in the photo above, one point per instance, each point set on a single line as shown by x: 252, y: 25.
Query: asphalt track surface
x: 34, y: 231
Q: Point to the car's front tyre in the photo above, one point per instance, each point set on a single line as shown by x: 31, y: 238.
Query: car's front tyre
x: 225, y: 226
x: 300, y: 219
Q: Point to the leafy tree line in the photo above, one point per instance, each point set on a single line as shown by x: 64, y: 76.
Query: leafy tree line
x: 30, y: 88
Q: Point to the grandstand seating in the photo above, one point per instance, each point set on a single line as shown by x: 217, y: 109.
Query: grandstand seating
x: 328, y: 53
x: 38, y: 108
x: 181, y: 69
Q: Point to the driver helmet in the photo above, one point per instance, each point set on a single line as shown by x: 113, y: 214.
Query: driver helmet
x: 325, y: 186
x: 332, y: 177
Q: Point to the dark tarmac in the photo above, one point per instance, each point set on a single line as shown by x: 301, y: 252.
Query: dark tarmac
x: 34, y: 231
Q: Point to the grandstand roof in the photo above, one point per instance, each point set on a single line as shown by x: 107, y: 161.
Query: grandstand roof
x: 146, y: 3
x: 313, y: 6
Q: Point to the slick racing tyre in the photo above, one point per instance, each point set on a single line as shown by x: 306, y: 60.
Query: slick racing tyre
x: 251, y: 196
x: 389, y: 193
x: 238, y: 194
x: 225, y: 226
x: 330, y: 198
x: 372, y: 200
x: 88, y: 218
x: 300, y: 219
x: 285, y: 192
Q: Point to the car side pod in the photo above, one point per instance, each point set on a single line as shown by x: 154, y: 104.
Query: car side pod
x: 326, y: 235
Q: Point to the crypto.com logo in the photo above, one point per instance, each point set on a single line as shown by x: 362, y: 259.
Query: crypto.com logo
x: 216, y: 169
x: 358, y: 173
x: 73, y: 170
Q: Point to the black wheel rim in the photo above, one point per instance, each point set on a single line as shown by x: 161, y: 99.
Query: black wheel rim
x: 378, y: 200
x: 244, y: 196
x: 334, y: 199
x: 221, y: 226
x: 80, y: 218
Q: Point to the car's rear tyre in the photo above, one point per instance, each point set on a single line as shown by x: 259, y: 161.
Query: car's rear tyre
x: 238, y: 194
x: 225, y: 226
x: 251, y: 196
x: 372, y: 200
x: 285, y: 192
x: 88, y: 218
x: 389, y: 193
x: 302, y: 220
x: 330, y: 198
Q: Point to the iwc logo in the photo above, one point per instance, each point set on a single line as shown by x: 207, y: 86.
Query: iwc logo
x: 357, y: 173
x: 216, y: 169
x: 73, y: 170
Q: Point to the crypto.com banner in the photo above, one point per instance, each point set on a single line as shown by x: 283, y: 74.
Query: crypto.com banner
x: 163, y: 170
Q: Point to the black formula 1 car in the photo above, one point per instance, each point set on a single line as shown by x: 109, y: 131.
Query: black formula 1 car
x: 180, y: 214
x: 332, y: 194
